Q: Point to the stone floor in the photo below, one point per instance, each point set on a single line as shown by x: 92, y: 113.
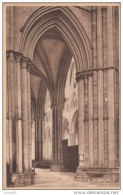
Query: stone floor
x: 45, y: 179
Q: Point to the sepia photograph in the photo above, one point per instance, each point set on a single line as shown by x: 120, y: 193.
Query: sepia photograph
x: 61, y: 96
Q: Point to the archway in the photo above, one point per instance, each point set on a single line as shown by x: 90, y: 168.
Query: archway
x: 69, y: 27
x: 49, y: 32
x: 55, y: 31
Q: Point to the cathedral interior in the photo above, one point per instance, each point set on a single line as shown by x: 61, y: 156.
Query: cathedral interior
x: 62, y: 92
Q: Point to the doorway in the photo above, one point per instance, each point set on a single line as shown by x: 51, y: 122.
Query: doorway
x: 70, y: 156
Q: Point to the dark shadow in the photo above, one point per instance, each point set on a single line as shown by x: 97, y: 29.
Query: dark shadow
x: 8, y: 175
x: 70, y: 156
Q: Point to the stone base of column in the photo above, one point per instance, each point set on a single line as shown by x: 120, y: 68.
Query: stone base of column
x: 103, y: 175
x: 57, y: 168
x: 22, y: 179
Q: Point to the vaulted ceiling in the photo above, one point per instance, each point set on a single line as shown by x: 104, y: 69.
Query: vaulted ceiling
x: 48, y: 57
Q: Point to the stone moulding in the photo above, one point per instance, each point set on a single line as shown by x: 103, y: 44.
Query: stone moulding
x: 89, y: 72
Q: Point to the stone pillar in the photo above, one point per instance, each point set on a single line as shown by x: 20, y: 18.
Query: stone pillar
x: 25, y: 132
x: 33, y: 141
x: 57, y: 112
x: 43, y: 137
x: 86, y: 119
x: 18, y: 57
x: 109, y: 20
x: 39, y: 141
x: 81, y: 130
x: 29, y: 118
x: 85, y: 109
x: 9, y: 120
x: 19, y: 119
x: 111, y: 120
x: 95, y: 85
x: 117, y: 84
x: 105, y: 84
x: 117, y: 129
x: 91, y: 138
x: 95, y: 119
x: 11, y: 109
x: 36, y: 140
x: 102, y: 87
x: 100, y: 115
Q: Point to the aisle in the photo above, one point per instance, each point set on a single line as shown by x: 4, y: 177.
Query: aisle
x: 45, y: 179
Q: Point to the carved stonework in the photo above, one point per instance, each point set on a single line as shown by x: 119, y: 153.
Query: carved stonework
x: 22, y: 179
x: 18, y: 56
x: 83, y: 74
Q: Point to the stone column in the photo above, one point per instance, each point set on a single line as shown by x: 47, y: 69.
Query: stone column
x: 29, y: 117
x: 11, y: 108
x: 57, y: 112
x: 19, y: 115
x: 25, y: 129
x: 85, y: 125
x: 103, y: 139
x: 117, y: 84
x: 81, y: 130
x: 43, y: 137
x: 36, y: 140
x: 86, y: 119
x: 9, y: 151
x: 111, y: 120
x: 33, y: 140
x: 105, y: 84
x: 7, y: 129
x: 117, y: 128
x: 39, y: 141
x: 95, y: 86
x: 112, y: 61
x: 95, y: 119
x: 100, y: 87
x: 18, y: 58
x: 91, y: 138
x: 109, y: 14
x: 100, y: 114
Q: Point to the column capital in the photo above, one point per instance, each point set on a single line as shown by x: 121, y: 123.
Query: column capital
x: 29, y: 66
x: 26, y: 63
x: 83, y: 74
x: 10, y: 54
x: 18, y: 56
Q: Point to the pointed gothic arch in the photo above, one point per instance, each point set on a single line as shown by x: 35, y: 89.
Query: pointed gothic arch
x: 68, y: 25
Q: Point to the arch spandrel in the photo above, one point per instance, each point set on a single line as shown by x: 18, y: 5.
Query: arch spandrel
x: 70, y: 28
